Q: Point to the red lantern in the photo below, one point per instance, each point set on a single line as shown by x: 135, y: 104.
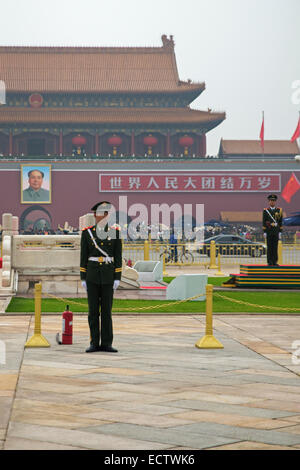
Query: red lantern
x: 115, y: 141
x: 150, y: 141
x: 186, y: 142
x: 79, y: 140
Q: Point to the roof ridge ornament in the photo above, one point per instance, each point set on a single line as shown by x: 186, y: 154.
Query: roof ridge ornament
x: 168, y: 43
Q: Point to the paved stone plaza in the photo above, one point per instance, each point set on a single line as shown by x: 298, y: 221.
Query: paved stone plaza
x: 159, y: 391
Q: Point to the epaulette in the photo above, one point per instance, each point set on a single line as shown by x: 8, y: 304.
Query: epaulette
x: 85, y: 228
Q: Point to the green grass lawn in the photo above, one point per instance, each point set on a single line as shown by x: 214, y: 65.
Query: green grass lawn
x: 287, y: 299
x: 215, y: 281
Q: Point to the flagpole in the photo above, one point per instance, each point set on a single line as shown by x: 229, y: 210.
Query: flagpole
x: 296, y: 134
x: 263, y: 137
x: 299, y: 135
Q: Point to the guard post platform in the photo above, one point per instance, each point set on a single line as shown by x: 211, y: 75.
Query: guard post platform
x: 265, y: 276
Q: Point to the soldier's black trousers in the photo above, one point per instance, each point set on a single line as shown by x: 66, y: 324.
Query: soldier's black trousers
x: 100, y: 296
x: 272, y: 248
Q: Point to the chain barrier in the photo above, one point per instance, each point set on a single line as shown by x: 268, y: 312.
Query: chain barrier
x: 153, y: 307
x: 67, y: 301
x: 242, y: 302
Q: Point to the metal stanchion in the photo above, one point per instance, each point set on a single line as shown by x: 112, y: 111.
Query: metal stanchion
x: 219, y: 272
x: 209, y: 341
x: 37, y: 340
x: 212, y: 264
x: 146, y: 250
x: 165, y: 274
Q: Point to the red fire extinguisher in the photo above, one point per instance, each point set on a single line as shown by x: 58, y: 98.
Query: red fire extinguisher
x: 67, y: 327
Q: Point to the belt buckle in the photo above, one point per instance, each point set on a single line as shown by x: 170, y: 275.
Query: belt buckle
x: 100, y: 259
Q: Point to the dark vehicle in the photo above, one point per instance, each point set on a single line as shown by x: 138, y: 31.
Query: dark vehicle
x: 233, y: 245
x: 293, y: 220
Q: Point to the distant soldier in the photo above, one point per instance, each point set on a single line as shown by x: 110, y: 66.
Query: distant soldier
x: 272, y: 227
x: 100, y: 273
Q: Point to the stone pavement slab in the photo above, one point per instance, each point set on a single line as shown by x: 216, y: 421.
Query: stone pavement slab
x: 159, y: 392
x: 73, y: 437
x: 169, y: 436
x: 241, y: 433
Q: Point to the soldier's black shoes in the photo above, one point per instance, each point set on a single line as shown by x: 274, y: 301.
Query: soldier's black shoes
x: 107, y: 349
x: 92, y: 349
x: 101, y: 348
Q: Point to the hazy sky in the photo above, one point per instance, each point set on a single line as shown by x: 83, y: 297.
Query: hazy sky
x: 246, y: 51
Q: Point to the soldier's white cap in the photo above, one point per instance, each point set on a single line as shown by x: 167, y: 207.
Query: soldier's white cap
x: 101, y: 207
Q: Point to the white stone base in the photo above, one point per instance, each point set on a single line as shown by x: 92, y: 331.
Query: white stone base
x: 52, y: 284
x: 61, y: 284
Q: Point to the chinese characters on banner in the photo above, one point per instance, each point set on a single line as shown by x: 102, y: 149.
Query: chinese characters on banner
x: 189, y: 182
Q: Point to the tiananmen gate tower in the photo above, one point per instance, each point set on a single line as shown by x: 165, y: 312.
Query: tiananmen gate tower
x: 127, y: 101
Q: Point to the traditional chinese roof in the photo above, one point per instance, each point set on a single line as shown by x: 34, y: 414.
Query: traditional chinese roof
x: 253, y: 147
x: 93, y: 69
x: 15, y: 115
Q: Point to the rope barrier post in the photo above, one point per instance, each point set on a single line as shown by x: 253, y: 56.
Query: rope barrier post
x: 37, y: 340
x: 212, y: 264
x: 280, y: 252
x: 209, y: 341
x: 164, y: 264
x: 219, y: 272
x: 146, y: 250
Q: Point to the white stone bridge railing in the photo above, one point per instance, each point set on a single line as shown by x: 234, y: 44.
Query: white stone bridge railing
x: 53, y: 260
x: 6, y: 276
x: 46, y: 253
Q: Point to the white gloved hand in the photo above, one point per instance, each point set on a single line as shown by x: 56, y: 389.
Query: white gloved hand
x: 279, y: 235
x: 116, y: 284
x: 265, y: 235
x: 83, y: 283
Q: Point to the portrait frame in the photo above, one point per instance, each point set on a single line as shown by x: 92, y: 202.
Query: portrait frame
x: 27, y: 192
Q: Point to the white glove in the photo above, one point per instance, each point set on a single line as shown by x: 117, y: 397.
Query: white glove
x: 116, y: 284
x: 265, y: 235
x: 279, y: 235
x: 83, y: 283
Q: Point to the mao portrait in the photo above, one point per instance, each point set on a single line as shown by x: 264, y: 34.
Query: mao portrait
x: 36, y: 184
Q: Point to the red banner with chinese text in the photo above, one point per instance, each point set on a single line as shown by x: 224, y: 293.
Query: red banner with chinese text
x: 189, y: 182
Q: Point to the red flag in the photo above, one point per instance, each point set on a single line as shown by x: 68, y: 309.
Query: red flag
x: 291, y: 187
x: 297, y: 132
x: 262, y: 133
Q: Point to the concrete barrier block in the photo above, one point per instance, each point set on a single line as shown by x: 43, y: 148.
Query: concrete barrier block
x: 149, y: 270
x: 187, y: 285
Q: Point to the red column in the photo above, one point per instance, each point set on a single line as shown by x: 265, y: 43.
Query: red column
x: 96, y: 143
x: 202, y: 145
x: 10, y: 143
x: 132, y: 143
x: 168, y: 150
x: 61, y: 147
